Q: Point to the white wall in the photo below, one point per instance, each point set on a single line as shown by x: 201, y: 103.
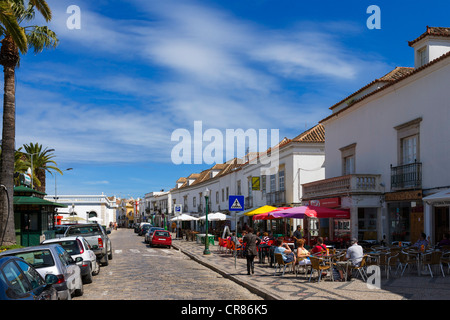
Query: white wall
x: 371, y: 124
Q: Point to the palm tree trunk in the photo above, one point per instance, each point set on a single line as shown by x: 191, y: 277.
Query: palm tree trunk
x: 9, y: 56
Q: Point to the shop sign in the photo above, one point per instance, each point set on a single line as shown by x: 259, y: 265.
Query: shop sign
x: 329, y: 202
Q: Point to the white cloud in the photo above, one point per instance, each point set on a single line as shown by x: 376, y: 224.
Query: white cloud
x: 196, y: 63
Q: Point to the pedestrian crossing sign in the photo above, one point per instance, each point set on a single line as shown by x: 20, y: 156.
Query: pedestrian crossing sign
x: 236, y: 203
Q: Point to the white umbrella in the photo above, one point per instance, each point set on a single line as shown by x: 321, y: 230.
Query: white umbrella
x: 184, y: 217
x: 217, y: 216
x: 94, y: 219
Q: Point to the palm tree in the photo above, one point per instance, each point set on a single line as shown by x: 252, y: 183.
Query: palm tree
x: 42, y: 160
x: 37, y: 38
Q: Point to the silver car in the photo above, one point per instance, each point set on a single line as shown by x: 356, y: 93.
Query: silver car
x: 78, y: 247
x: 53, y: 259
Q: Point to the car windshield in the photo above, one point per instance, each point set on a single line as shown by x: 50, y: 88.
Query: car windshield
x: 71, y: 246
x: 38, y: 258
x: 161, y: 233
x: 85, y: 230
x: 60, y: 230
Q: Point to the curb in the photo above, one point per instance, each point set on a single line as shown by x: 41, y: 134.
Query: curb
x: 263, y: 294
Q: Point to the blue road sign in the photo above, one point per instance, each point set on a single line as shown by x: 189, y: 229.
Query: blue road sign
x: 236, y: 203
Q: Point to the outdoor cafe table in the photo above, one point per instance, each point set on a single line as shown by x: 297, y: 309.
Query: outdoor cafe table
x: 419, y: 257
x: 264, y: 250
x: 327, y: 259
x: 201, y: 238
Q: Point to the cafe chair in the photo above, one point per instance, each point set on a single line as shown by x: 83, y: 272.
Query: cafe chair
x: 317, y: 265
x: 446, y: 259
x: 409, y: 259
x: 433, y: 259
x: 222, y: 244
x: 279, y: 262
x: 361, y: 268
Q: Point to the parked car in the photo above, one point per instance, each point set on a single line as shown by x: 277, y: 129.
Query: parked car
x: 53, y: 259
x: 21, y: 281
x: 79, y: 247
x: 160, y: 238
x: 150, y: 232
x: 144, y: 228
x: 97, y: 237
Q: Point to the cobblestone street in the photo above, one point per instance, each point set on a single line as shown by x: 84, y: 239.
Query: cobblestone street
x: 138, y: 272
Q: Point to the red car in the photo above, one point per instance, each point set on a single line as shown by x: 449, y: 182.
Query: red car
x: 160, y: 238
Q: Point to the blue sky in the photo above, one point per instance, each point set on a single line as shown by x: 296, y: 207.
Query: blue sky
x: 110, y: 96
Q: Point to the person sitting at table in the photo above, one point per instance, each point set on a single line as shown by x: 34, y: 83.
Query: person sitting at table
x: 302, y: 253
x: 445, y: 241
x: 422, y: 241
x: 354, y: 256
x: 319, y: 248
x: 286, y: 252
x: 265, y: 237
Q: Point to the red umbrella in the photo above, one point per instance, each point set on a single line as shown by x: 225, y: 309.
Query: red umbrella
x: 311, y: 211
x: 267, y: 215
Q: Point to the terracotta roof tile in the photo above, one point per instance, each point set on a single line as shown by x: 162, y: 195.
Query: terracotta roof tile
x: 432, y: 31
x: 313, y: 135
x: 407, y: 75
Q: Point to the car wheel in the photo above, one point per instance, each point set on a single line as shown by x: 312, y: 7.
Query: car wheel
x: 110, y: 255
x: 105, y: 261
x: 88, y: 278
x: 79, y: 292
x: 96, y: 271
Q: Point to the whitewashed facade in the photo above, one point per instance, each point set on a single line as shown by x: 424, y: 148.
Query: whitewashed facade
x: 388, y: 148
x: 101, y: 207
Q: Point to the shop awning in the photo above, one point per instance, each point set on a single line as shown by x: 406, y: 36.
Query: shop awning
x: 312, y: 211
x: 24, y: 200
x: 441, y: 196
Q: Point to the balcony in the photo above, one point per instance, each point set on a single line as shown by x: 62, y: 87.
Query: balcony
x: 276, y: 198
x: 343, y: 185
x: 407, y: 176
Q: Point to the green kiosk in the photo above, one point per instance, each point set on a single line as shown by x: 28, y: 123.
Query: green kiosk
x: 34, y: 217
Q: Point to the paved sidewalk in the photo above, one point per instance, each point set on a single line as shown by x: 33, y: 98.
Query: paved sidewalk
x: 291, y: 287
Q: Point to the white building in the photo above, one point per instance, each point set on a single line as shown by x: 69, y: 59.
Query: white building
x: 387, y: 147
x: 299, y: 160
x: 85, y: 208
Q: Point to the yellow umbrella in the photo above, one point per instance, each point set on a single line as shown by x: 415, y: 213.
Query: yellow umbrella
x: 263, y: 209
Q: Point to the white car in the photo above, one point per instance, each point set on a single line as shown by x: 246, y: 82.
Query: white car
x: 53, y: 259
x: 78, y: 247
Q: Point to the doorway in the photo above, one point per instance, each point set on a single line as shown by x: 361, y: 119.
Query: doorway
x: 441, y: 222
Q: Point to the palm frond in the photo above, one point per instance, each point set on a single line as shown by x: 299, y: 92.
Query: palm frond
x: 40, y: 38
x: 10, y: 25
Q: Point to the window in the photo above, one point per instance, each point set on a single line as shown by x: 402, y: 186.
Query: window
x: 409, y: 149
x: 228, y: 193
x: 223, y: 195
x: 273, y: 183
x: 422, y: 57
x: 408, y: 142
x: 281, y: 180
x: 16, y: 280
x: 263, y: 184
x: 349, y: 165
x: 348, y: 159
x: 239, y: 187
x: 194, y: 202
x: 217, y: 197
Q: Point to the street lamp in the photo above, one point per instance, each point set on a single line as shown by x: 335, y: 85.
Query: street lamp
x: 206, y: 251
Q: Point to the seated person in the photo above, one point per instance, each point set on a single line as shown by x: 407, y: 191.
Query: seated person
x: 445, y: 241
x: 286, y: 252
x: 265, y: 237
x: 319, y: 248
x: 353, y: 256
x: 422, y: 241
x: 302, y: 253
